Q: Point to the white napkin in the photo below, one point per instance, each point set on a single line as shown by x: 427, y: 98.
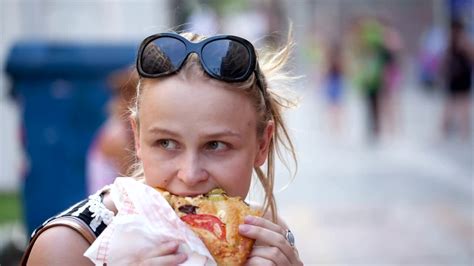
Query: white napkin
x: 144, y: 220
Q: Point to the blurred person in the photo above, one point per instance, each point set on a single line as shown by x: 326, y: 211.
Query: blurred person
x: 458, y: 62
x: 203, y: 118
x: 432, y: 45
x: 109, y: 153
x: 392, y: 74
x: 334, y: 86
x: 371, y: 56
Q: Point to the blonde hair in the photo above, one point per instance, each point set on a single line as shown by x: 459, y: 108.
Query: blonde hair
x: 269, y: 103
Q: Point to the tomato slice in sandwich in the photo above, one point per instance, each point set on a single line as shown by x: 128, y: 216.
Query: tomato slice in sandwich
x: 208, y: 222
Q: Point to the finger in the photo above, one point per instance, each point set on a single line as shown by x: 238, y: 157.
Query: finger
x: 268, y: 237
x: 257, y: 261
x: 165, y: 248
x: 172, y: 259
x: 262, y: 222
x: 273, y: 254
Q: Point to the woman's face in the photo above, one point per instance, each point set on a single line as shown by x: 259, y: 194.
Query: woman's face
x: 194, y: 136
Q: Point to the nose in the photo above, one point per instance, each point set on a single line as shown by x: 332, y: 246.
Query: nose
x: 191, y: 171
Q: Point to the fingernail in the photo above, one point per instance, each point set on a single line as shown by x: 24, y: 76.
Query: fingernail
x: 243, y: 228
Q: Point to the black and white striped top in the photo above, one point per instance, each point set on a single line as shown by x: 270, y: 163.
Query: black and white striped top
x: 91, y: 212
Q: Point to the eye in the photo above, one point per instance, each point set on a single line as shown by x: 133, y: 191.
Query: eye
x: 216, y: 146
x: 168, y: 144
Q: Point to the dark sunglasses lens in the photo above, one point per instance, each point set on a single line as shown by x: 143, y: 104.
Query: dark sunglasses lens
x: 226, y: 59
x: 163, y: 55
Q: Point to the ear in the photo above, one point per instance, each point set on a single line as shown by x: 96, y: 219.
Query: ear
x: 136, y: 137
x: 264, y: 144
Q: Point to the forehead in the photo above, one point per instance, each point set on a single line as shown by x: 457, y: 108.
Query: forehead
x: 177, y: 101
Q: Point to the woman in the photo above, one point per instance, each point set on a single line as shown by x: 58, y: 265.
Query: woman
x: 204, y: 117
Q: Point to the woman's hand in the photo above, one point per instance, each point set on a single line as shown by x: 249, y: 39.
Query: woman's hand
x: 165, y: 254
x: 271, y: 246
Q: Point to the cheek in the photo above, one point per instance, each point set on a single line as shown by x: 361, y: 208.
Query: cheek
x: 234, y: 176
x: 157, y: 176
x: 157, y: 172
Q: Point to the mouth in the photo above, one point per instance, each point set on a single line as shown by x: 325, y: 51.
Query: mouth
x: 190, y: 194
x: 193, y: 194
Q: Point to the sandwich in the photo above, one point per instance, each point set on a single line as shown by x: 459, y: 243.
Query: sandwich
x: 215, y: 218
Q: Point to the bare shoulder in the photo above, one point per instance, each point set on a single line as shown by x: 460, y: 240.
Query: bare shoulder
x: 59, y: 245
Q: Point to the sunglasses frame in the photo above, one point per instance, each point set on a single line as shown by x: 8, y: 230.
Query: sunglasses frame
x: 197, y: 47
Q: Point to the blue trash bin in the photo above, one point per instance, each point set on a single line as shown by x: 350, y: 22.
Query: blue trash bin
x: 62, y: 92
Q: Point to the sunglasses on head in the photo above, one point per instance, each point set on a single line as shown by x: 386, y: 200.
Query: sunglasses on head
x: 223, y: 57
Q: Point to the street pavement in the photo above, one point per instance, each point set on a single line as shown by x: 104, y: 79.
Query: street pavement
x: 404, y: 200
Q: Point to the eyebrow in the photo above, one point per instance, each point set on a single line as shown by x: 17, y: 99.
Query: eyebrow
x: 223, y: 133
x: 157, y: 130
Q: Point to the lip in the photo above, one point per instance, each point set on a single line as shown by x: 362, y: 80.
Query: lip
x: 192, y: 194
x: 188, y: 194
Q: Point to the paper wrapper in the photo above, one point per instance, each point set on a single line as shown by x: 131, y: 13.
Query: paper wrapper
x: 144, y: 221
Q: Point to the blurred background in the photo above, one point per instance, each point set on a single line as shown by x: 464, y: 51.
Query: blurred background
x: 384, y: 129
